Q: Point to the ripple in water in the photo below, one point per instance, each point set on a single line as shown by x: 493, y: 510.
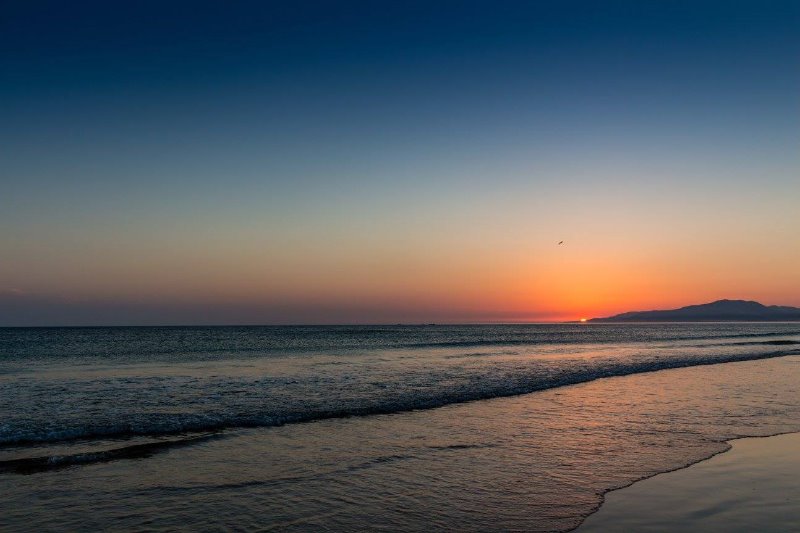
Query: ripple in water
x: 538, y: 462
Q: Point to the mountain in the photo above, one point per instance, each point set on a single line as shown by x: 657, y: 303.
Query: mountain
x: 719, y: 311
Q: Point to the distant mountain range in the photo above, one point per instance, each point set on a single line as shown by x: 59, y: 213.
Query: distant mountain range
x: 719, y: 311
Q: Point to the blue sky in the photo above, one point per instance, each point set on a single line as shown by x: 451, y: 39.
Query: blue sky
x: 332, y: 161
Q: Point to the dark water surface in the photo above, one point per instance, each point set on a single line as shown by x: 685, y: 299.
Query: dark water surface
x: 159, y: 428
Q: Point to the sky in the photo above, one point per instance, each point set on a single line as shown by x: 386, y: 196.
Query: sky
x: 384, y: 162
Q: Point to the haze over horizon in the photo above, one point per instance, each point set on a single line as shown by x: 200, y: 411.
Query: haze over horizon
x: 260, y: 163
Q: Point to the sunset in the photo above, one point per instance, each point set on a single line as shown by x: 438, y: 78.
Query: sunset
x: 361, y: 164
x: 363, y: 265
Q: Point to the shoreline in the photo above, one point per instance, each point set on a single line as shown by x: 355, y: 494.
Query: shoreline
x: 542, y: 460
x: 391, y: 410
x: 631, y: 506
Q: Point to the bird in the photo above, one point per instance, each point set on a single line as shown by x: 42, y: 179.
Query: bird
x: 560, y: 243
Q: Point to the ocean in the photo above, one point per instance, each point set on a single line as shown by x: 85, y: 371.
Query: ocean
x: 501, y: 427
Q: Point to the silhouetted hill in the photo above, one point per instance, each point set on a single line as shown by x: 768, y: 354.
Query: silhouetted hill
x: 719, y: 311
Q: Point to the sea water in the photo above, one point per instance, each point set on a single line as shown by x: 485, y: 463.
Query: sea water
x: 511, y: 427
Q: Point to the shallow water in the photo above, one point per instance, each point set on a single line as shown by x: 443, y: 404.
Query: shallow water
x: 752, y: 487
x: 61, y: 384
x: 538, y: 461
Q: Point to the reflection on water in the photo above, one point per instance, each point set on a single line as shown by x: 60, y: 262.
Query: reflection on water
x: 537, y: 462
x: 753, y: 487
x: 121, y: 383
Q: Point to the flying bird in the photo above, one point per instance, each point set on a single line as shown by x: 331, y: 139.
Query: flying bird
x: 560, y: 243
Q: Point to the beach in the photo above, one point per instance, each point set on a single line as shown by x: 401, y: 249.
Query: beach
x: 751, y: 487
x: 402, y: 429
x: 399, y: 266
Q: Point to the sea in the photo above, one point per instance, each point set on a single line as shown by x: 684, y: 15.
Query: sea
x: 353, y: 428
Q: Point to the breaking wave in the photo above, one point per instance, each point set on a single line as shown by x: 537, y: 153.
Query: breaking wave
x: 255, y: 408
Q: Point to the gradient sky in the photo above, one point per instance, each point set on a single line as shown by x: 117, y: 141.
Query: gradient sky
x: 339, y: 162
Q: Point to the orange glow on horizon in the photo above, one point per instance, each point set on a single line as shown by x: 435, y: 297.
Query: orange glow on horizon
x: 456, y: 273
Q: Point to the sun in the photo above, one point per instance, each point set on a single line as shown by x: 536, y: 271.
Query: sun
x: 583, y: 320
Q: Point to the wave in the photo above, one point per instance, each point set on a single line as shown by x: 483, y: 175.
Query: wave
x: 33, y: 465
x: 768, y: 343
x: 776, y: 342
x: 543, y: 341
x: 201, y: 343
x: 47, y: 463
x: 479, y: 388
x: 481, y: 354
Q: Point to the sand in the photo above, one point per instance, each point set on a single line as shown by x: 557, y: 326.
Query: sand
x: 753, y: 487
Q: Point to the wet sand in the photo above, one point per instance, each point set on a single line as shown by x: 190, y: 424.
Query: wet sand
x: 752, y: 487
